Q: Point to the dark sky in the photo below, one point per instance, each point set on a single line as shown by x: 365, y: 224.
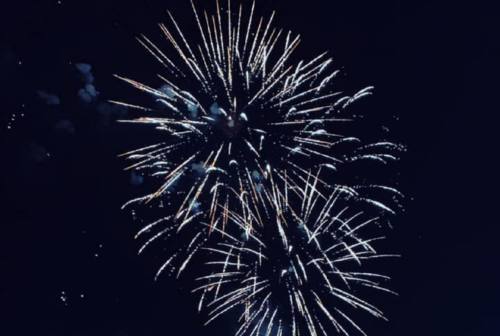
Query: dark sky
x: 68, y: 262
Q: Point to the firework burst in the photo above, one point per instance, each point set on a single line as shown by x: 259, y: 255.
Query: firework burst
x: 234, y: 107
x: 299, y: 268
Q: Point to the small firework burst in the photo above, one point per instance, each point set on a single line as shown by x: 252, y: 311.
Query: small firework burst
x: 300, y: 267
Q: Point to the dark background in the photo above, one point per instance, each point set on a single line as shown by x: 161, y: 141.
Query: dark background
x: 68, y: 263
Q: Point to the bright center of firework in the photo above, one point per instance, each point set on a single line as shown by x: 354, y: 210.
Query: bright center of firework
x: 282, y: 263
x: 228, y: 124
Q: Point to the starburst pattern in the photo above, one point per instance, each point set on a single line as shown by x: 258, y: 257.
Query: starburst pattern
x: 233, y: 107
x: 298, y: 268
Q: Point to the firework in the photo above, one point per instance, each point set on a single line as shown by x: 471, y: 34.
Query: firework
x: 298, y: 268
x: 244, y: 122
x: 234, y: 107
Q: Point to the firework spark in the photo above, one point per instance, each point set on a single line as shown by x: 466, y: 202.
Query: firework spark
x: 299, y: 269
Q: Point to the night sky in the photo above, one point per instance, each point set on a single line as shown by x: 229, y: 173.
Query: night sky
x: 68, y: 260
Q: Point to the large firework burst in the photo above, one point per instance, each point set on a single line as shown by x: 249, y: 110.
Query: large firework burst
x: 234, y: 107
x: 299, y: 268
